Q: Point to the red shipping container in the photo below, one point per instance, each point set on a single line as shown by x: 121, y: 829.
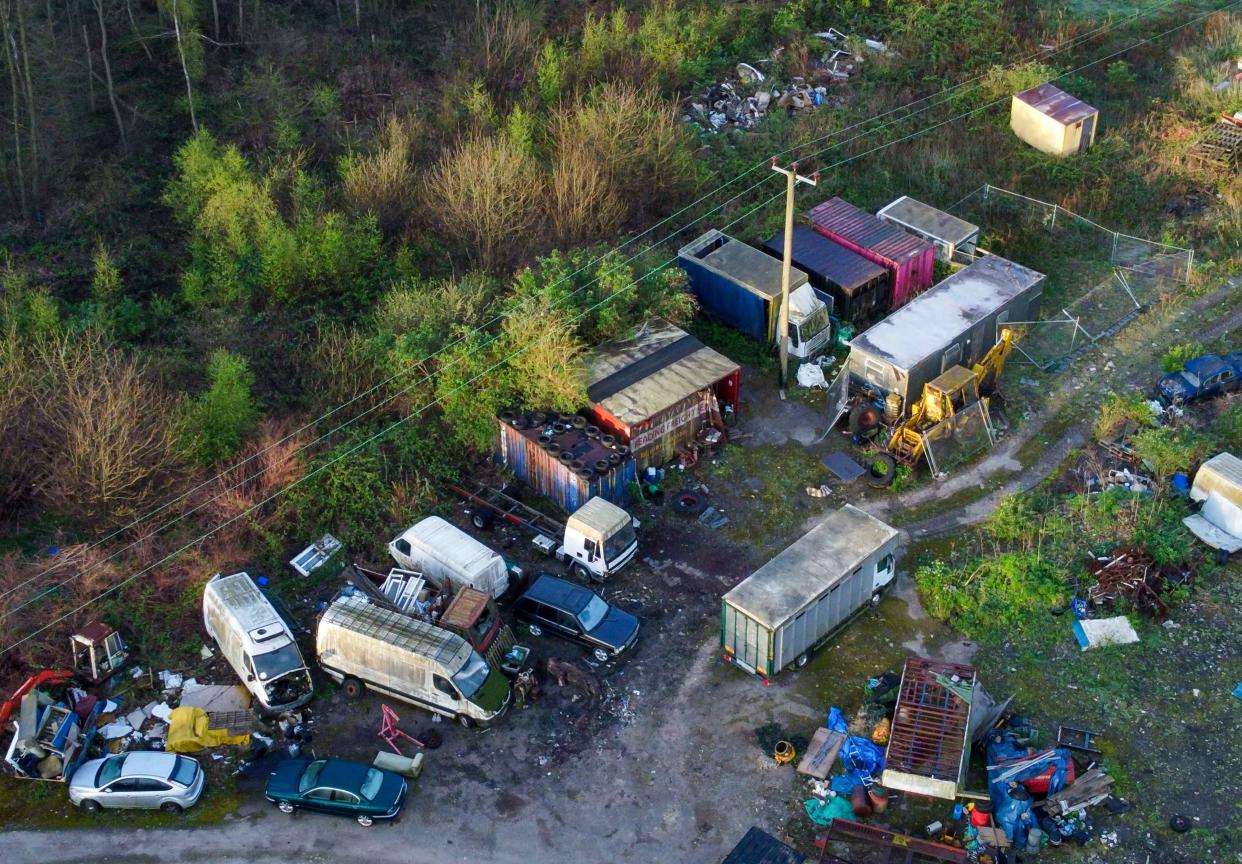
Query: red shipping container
x: 910, y: 260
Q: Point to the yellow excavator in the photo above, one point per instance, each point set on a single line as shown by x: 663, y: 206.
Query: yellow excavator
x: 952, y: 391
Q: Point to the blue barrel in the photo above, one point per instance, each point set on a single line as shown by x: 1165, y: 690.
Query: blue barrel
x: 1181, y: 483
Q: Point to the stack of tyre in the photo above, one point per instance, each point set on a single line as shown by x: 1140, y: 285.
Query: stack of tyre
x: 562, y: 436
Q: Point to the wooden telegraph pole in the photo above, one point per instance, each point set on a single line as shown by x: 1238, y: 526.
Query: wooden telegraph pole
x: 792, y: 178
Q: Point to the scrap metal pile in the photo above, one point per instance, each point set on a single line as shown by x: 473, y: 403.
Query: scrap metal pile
x: 1132, y: 573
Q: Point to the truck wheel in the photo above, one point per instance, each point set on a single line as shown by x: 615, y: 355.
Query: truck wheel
x: 353, y: 689
x: 1222, y: 556
x: 801, y: 661
x: 581, y: 573
x: 284, y: 806
x: 90, y: 805
x: 465, y: 722
x: 482, y: 519
x: 535, y: 630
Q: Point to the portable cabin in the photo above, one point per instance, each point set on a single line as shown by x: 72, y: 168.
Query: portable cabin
x: 929, y: 741
x: 909, y: 260
x: 796, y: 601
x: 658, y: 390
x: 945, y: 231
x: 859, y: 288
x: 954, y: 324
x: 565, y: 458
x: 1051, y: 120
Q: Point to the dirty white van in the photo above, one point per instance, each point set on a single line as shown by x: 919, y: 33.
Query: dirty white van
x: 257, y: 643
x: 361, y: 645
x: 442, y: 552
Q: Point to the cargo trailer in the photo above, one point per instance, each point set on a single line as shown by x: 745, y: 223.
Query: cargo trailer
x: 859, y: 288
x: 954, y: 324
x: 780, y: 613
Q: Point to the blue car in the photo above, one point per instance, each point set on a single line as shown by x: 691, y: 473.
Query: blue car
x: 1202, y: 378
x: 577, y: 613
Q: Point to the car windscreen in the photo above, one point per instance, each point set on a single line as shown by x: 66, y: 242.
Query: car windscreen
x: 371, y: 785
x: 109, y: 771
x: 471, y: 676
x: 593, y: 613
x: 619, y: 542
x: 273, y: 664
x: 310, y: 776
x: 1192, y: 379
x: 184, y: 771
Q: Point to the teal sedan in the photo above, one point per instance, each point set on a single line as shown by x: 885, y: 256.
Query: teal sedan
x: 337, y: 786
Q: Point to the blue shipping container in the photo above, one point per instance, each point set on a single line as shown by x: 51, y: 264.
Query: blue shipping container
x: 556, y: 478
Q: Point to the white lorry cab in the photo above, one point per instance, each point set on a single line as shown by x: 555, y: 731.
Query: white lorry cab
x: 599, y: 540
x: 257, y: 643
x: 361, y: 644
x: 443, y: 553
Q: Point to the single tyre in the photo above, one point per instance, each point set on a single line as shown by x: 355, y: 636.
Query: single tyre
x: 565, y: 457
x: 285, y: 806
x: 90, y: 805
x: 581, y: 572
x: 553, y: 448
x: 615, y: 458
x: 601, y: 655
x: 592, y: 431
x: 538, y: 418
x: 601, y: 465
x: 1180, y: 823
x: 430, y: 739
x: 482, y: 519
x: 608, y: 440
x: 465, y: 722
x: 508, y: 415
x: 520, y: 422
x: 535, y: 630
x: 353, y: 689
x: 801, y: 661
x: 882, y: 471
x: 170, y: 807
x: 1222, y: 556
x: 586, y: 474
x: 365, y: 821
x: 578, y: 421
x: 577, y: 464
x: 687, y: 503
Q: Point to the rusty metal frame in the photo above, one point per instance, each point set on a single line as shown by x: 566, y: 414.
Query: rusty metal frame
x: 931, y: 724
x: 897, y: 848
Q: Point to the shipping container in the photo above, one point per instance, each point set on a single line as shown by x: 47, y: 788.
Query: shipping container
x: 657, y: 391
x: 1051, y: 120
x: 565, y: 459
x: 741, y: 286
x: 859, y: 288
x: 909, y: 260
x: 954, y: 324
x: 789, y: 606
x: 949, y: 234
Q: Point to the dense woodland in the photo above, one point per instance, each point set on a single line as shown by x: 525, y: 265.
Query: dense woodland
x: 255, y: 244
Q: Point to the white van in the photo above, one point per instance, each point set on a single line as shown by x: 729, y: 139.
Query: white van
x: 361, y: 645
x: 257, y: 643
x: 442, y: 553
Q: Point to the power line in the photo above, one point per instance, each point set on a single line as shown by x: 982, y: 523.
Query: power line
x: 223, y: 473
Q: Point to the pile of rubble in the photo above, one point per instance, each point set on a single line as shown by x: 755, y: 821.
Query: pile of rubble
x: 1132, y: 573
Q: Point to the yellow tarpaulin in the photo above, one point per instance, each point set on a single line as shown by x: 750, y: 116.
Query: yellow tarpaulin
x: 188, y: 732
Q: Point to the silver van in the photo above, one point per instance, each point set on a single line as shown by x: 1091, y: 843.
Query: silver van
x: 257, y: 643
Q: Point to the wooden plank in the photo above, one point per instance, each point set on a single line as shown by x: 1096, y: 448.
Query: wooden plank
x: 993, y: 837
x: 821, y: 753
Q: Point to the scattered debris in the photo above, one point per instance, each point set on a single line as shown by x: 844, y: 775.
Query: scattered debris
x: 713, y: 518
x: 1132, y: 573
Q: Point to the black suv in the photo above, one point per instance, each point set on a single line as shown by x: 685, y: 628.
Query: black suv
x: 567, y: 609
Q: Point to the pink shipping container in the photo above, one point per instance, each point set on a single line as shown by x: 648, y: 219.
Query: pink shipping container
x: 908, y: 259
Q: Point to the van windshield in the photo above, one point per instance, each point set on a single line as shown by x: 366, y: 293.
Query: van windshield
x: 471, y: 676
x: 282, y: 661
x: 619, y: 542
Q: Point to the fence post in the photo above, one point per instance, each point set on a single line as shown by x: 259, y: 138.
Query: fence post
x: 1190, y: 263
x: 1054, y: 218
x: 1113, y: 257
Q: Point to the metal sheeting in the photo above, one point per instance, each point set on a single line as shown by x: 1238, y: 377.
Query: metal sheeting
x: 662, y: 388
x: 819, y: 256
x: 759, y: 847
x: 843, y: 219
x: 1054, y: 102
x: 557, y: 481
x: 927, y: 221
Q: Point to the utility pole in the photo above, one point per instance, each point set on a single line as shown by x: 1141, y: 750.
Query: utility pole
x: 792, y: 179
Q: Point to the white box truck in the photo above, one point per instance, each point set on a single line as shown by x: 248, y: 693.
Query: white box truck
x: 442, y: 553
x: 256, y: 642
x: 362, y: 644
x: 776, y: 616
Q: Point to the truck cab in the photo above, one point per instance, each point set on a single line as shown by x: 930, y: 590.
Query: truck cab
x: 810, y: 327
x: 599, y: 540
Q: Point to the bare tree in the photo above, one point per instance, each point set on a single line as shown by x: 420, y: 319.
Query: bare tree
x: 103, y: 54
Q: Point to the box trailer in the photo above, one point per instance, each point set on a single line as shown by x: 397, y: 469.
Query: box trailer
x: 859, y: 288
x: 741, y: 286
x: 910, y: 260
x: 780, y: 613
x: 954, y: 324
x: 442, y: 552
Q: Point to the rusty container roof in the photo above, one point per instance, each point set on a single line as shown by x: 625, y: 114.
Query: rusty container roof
x: 1056, y: 103
x: 856, y: 226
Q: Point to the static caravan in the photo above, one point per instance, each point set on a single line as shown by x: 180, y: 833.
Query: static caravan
x: 859, y: 288
x: 910, y: 260
x: 953, y: 324
x: 789, y: 606
x: 1051, y: 120
x: 945, y: 231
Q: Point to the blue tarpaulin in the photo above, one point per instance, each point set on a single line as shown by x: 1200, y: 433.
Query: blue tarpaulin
x: 863, y: 760
x: 1008, y: 764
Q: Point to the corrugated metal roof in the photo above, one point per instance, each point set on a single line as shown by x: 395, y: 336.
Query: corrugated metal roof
x: 354, y: 614
x: 1056, y: 103
x: 693, y: 369
x: 810, y: 566
x: 927, y: 220
x: 742, y: 263
x: 814, y: 252
x: 934, y: 319
x: 862, y: 229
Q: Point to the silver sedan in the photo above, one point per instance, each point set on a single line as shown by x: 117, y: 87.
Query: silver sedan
x: 137, y: 781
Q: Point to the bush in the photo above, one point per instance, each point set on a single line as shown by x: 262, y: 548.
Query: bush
x: 383, y: 182
x: 1169, y: 449
x: 1174, y: 360
x: 1118, y: 410
x: 993, y: 598
x: 348, y: 497
x: 217, y: 421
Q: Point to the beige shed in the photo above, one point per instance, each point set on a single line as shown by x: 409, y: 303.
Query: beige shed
x: 1051, y: 120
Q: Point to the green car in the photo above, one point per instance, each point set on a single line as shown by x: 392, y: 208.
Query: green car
x: 336, y: 786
